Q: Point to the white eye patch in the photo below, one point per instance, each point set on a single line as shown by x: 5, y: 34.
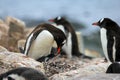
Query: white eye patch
x: 64, y: 42
x: 101, y: 20
x: 16, y: 77
x: 59, y: 17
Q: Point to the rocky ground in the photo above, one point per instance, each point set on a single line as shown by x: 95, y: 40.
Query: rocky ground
x: 13, y: 33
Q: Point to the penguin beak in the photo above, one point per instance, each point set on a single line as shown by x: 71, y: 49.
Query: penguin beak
x: 51, y: 20
x: 95, y: 23
x: 58, y: 50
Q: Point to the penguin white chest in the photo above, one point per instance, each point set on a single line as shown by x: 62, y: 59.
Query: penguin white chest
x: 42, y: 45
x: 103, y: 34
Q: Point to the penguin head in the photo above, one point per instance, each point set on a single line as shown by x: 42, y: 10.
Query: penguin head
x: 60, y: 40
x: 105, y: 23
x: 58, y: 20
x: 23, y: 73
x: 13, y: 77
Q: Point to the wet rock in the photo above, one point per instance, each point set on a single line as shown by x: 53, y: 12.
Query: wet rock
x: 10, y: 60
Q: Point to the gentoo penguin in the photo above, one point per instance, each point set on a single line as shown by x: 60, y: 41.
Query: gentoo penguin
x: 23, y: 73
x: 39, y: 43
x: 71, y: 47
x: 114, y: 68
x: 110, y: 38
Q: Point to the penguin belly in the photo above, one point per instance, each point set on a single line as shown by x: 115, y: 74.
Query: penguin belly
x: 42, y: 45
x: 67, y: 47
x: 103, y: 34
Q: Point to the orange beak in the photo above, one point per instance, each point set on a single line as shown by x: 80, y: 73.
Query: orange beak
x: 51, y: 20
x: 58, y: 50
x: 96, y: 23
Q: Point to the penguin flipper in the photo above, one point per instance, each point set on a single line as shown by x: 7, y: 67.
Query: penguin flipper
x: 110, y: 47
x: 30, y: 39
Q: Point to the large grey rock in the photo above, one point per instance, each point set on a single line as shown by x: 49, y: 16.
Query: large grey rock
x: 10, y: 60
x: 95, y: 66
x: 99, y: 77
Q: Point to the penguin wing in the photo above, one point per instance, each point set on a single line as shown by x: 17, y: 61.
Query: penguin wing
x: 31, y: 39
x: 110, y: 47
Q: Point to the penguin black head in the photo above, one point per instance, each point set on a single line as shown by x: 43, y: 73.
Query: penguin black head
x: 23, y: 73
x: 60, y: 39
x: 105, y: 23
x: 58, y: 20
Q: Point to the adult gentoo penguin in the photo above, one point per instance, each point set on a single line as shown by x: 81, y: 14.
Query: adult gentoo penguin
x: 110, y: 38
x: 23, y: 73
x: 71, y: 46
x: 41, y: 39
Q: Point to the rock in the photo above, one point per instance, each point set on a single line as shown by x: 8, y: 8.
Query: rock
x: 16, y: 32
x: 4, y: 34
x: 16, y: 29
x: 92, y: 53
x: 28, y: 31
x: 1, y: 21
x: 10, y: 60
x: 96, y: 66
x: 80, y: 42
x: 99, y: 77
x: 21, y: 43
x: 2, y: 49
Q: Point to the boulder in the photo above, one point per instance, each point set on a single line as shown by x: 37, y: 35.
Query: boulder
x: 4, y: 34
x: 16, y: 29
x: 99, y: 77
x: 2, y: 49
x: 16, y: 32
x: 96, y: 66
x: 11, y: 60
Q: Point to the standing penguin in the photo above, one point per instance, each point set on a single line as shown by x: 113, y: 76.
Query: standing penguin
x: 71, y: 47
x: 110, y: 38
x: 23, y: 73
x: 39, y: 43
